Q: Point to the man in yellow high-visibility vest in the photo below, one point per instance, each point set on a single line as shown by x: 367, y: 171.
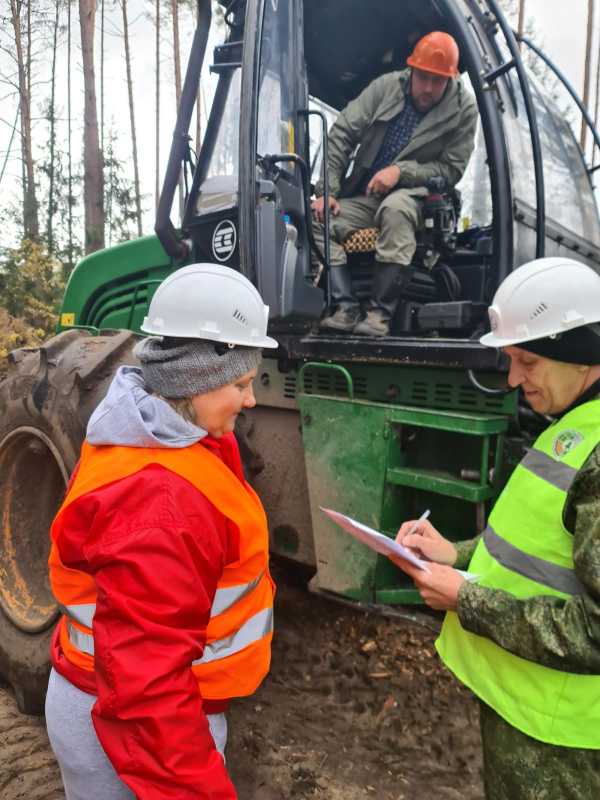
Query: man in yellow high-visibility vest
x: 525, y: 638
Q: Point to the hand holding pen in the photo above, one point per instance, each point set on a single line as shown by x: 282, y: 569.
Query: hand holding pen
x: 425, y: 541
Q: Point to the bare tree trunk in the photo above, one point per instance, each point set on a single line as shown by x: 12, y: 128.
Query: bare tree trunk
x: 521, y: 23
x: 102, y: 77
x: 588, y: 69
x: 28, y: 48
x: 136, y: 172
x: 177, y: 62
x: 157, y: 120
x: 49, y: 226
x: 70, y: 264
x: 93, y: 182
x: 30, y: 206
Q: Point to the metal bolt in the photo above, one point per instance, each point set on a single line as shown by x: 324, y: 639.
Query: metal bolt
x: 470, y: 475
x: 36, y: 447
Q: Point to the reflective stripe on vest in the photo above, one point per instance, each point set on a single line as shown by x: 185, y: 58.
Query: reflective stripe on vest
x: 526, y: 551
x: 225, y: 598
x: 82, y: 641
x: 537, y: 569
x: 548, y: 469
x: 251, y: 631
x: 83, y: 613
x: 229, y: 595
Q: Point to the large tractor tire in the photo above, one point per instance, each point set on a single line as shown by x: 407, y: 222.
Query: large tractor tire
x: 45, y: 403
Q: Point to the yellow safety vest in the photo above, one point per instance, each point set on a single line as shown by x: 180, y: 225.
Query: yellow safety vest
x: 527, y: 551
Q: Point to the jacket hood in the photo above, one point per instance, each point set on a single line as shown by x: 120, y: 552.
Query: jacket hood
x: 129, y: 416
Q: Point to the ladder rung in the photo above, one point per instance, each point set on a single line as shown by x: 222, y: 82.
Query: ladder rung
x: 440, y: 482
x: 459, y: 422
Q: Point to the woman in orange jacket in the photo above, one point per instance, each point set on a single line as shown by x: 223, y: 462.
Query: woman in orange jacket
x: 159, y: 557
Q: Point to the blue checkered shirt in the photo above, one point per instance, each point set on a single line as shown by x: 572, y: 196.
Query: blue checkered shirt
x: 399, y: 132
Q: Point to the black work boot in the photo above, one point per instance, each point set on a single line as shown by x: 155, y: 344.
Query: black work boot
x: 347, y: 309
x: 388, y: 281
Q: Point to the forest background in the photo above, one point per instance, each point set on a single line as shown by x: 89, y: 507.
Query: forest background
x: 89, y: 96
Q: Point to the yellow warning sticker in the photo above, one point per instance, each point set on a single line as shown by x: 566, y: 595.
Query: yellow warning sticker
x: 67, y: 319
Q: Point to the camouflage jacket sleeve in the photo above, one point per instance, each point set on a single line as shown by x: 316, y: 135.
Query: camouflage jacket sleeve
x: 464, y: 552
x: 558, y: 633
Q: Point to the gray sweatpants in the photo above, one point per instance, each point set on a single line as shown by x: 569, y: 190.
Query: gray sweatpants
x: 398, y: 217
x: 86, y: 772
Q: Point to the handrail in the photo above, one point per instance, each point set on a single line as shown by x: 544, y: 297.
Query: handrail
x: 326, y: 367
x: 313, y: 112
x: 269, y: 161
x: 536, y: 145
x: 179, y: 148
x: 565, y: 82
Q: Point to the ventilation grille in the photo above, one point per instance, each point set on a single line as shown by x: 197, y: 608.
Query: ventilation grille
x: 400, y: 387
x: 540, y: 309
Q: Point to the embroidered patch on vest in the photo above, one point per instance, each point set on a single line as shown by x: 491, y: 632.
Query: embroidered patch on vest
x: 565, y: 442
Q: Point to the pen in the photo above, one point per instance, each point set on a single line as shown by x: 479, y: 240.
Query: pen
x: 422, y: 518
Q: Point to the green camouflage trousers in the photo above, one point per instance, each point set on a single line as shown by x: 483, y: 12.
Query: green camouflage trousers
x: 517, y: 767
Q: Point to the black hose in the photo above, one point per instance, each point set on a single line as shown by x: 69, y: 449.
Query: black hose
x: 487, y: 390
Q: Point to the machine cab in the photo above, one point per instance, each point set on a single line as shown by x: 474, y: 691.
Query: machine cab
x: 285, y: 71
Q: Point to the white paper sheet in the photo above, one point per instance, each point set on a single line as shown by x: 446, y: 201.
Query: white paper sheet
x: 373, y: 539
x: 380, y: 543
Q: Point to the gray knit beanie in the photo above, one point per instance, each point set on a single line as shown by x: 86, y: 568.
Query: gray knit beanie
x: 177, y: 368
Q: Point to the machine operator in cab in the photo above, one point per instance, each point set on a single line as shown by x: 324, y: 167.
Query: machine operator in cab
x: 409, y: 126
x: 525, y: 638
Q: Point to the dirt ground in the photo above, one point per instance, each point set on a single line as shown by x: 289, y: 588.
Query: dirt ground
x: 356, y: 706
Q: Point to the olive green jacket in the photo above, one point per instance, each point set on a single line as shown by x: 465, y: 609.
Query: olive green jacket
x: 440, y: 146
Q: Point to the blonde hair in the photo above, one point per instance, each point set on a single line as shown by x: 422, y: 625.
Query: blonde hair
x: 183, y: 406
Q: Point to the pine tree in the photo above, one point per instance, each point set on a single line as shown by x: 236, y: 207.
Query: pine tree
x: 136, y: 172
x: 93, y: 191
x: 22, y: 44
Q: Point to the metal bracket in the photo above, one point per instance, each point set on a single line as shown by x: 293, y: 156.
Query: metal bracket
x: 492, y: 77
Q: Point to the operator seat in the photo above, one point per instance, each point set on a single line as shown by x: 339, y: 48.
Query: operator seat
x: 428, y: 284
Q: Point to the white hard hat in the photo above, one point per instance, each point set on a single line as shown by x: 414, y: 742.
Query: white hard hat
x: 543, y: 298
x: 209, y: 301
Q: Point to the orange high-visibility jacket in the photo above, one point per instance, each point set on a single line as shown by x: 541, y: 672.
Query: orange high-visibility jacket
x: 236, y: 655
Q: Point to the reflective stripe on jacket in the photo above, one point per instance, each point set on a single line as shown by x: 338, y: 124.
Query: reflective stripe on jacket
x: 236, y: 656
x: 527, y: 551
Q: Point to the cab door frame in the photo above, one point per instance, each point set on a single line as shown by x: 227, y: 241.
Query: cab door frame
x: 274, y: 206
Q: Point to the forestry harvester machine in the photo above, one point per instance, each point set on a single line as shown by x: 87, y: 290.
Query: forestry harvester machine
x: 377, y: 428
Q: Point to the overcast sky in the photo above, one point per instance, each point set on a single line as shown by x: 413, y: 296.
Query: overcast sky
x: 562, y: 27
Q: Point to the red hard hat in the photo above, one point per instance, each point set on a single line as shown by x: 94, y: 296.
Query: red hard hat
x: 436, y: 52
